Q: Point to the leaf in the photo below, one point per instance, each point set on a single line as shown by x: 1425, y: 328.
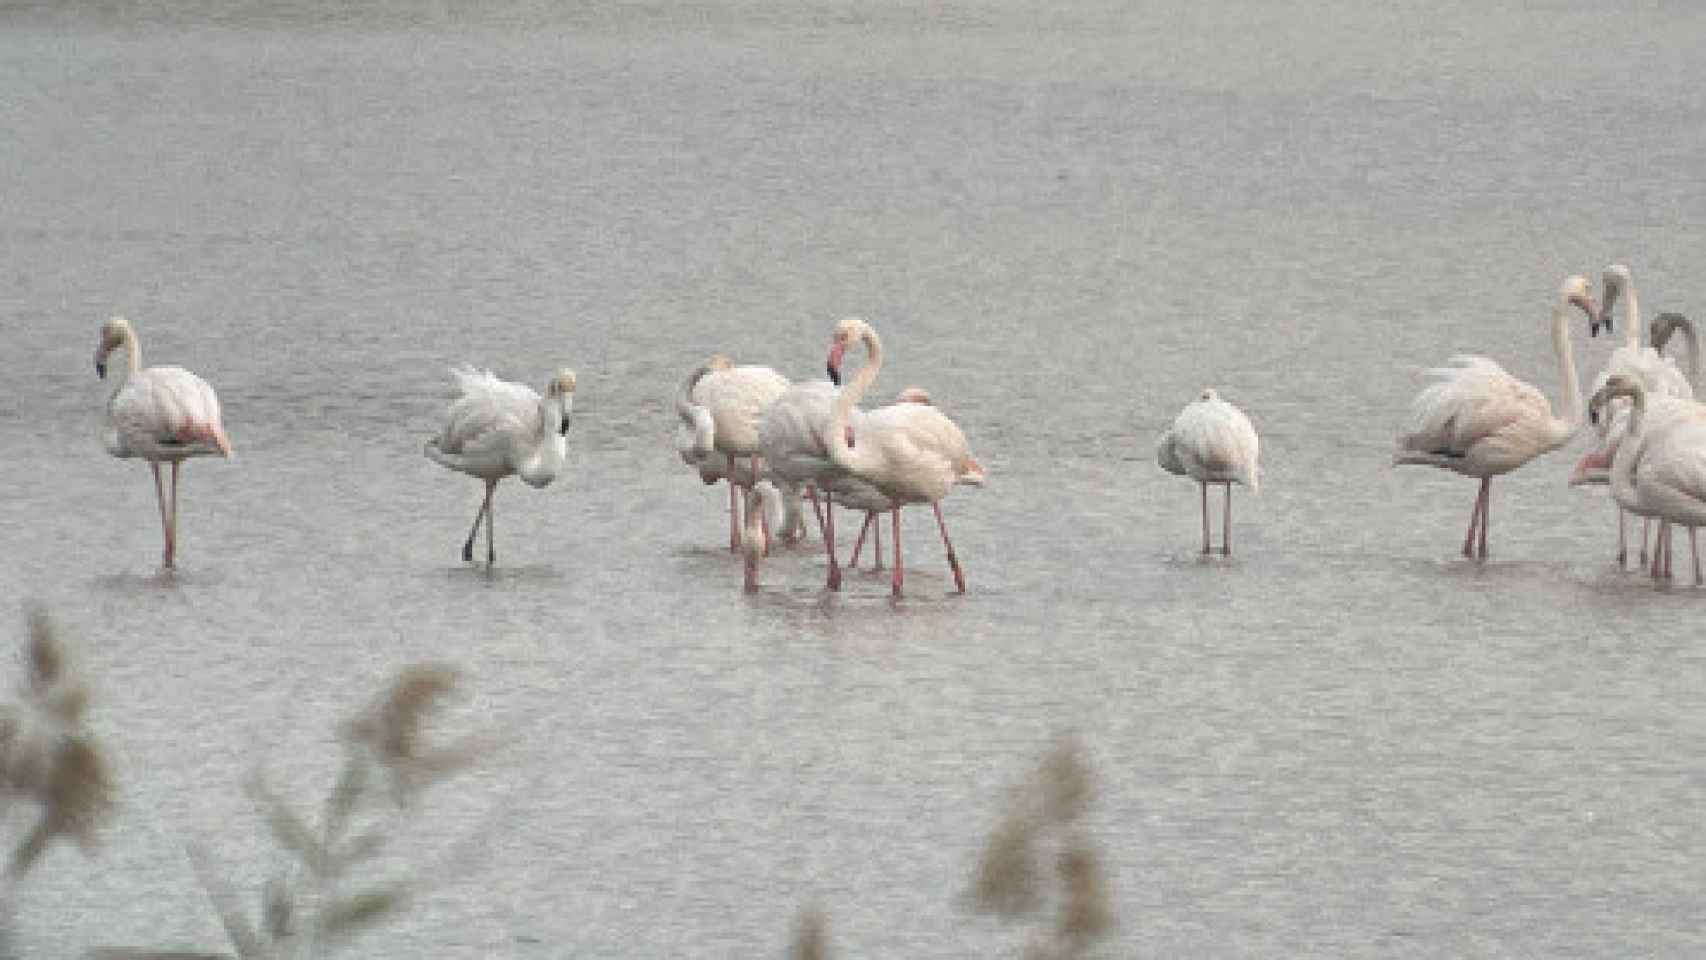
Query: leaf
x: 346, y: 916
x: 290, y: 830
x: 243, y: 936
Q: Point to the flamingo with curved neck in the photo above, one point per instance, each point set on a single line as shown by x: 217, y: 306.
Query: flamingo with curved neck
x: 1659, y: 468
x: 160, y: 414
x: 910, y: 452
x: 1479, y: 421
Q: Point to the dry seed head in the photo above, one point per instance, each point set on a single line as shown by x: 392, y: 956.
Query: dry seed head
x: 1007, y: 880
x: 1064, y: 780
x: 811, y: 936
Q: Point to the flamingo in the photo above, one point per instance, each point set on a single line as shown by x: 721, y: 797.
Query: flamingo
x: 496, y: 428
x: 1659, y: 468
x: 1479, y: 421
x: 695, y: 442
x: 910, y: 452
x: 161, y: 414
x: 790, y: 437
x: 1657, y: 374
x: 858, y: 495
x: 735, y: 398
x: 1212, y: 441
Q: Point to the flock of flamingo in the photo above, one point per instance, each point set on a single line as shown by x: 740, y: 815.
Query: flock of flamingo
x: 783, y: 443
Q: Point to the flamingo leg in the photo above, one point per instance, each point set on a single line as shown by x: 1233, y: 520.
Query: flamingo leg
x: 491, y: 554
x: 734, y: 508
x: 1486, y: 510
x: 1667, y: 550
x: 172, y: 535
x: 763, y: 514
x: 834, y: 582
x: 1654, y: 569
x: 899, y: 574
x: 1645, y: 522
x: 165, y: 521
x: 876, y: 541
x: 859, y: 543
x: 953, y: 561
x: 468, y: 545
x: 811, y: 494
x: 1694, y: 551
x: 1474, y: 521
x: 1622, y: 539
x: 1205, y: 547
x: 1226, y: 525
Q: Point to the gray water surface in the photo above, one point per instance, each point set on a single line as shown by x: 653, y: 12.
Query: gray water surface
x: 1065, y: 220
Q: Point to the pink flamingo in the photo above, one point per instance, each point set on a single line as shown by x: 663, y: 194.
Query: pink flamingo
x: 1212, y: 442
x: 910, y: 452
x: 161, y: 414
x: 1479, y: 421
x: 734, y: 400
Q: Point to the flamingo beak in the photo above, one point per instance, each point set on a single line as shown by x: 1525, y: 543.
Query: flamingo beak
x: 836, y: 351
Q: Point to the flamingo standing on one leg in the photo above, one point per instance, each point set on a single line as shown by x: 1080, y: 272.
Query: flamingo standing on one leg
x: 908, y: 451
x: 161, y: 414
x: 1479, y: 421
x: 1212, y: 441
x: 495, y: 428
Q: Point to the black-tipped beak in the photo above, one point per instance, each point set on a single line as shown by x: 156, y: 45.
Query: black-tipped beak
x: 834, y: 374
x: 100, y: 370
x: 563, y: 431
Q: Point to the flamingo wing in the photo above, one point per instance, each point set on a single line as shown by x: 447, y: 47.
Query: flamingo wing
x: 487, y: 413
x: 162, y: 408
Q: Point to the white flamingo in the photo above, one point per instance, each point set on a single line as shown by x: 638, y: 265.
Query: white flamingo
x: 1479, y: 421
x: 735, y: 398
x: 695, y: 438
x: 495, y: 428
x: 1657, y: 374
x: 908, y: 451
x: 1659, y: 469
x: 1212, y: 441
x: 856, y: 494
x: 161, y: 414
x: 790, y: 438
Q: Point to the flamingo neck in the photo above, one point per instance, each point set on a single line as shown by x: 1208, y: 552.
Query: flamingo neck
x: 133, y: 360
x: 695, y: 418
x: 840, y: 453
x: 1692, y: 343
x: 1631, y: 318
x: 1628, y: 451
x: 1566, y: 370
x: 549, y: 448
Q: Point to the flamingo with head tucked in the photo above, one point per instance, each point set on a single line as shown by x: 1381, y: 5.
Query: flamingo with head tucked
x: 1479, y: 421
x: 495, y: 428
x: 1212, y: 441
x: 734, y: 399
x: 160, y: 414
x: 910, y: 452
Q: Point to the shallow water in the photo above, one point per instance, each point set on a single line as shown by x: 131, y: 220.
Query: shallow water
x: 1065, y: 222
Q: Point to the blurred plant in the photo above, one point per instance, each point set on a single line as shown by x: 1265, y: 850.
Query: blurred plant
x: 47, y: 754
x: 310, y: 908
x: 811, y: 936
x: 1009, y: 881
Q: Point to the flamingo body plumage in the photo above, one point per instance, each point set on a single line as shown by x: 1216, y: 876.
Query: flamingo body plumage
x: 1212, y: 441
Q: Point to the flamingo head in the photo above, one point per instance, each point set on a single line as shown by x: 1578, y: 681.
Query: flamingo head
x: 1614, y: 279
x: 846, y: 332
x: 1662, y: 327
x: 1208, y: 393
x: 562, y: 389
x: 917, y: 395
x: 114, y: 333
x: 1577, y: 292
x: 719, y: 361
x: 1617, y: 385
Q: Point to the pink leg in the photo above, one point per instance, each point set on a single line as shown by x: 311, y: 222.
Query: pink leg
x: 898, y: 573
x: 876, y: 542
x: 1694, y: 551
x: 829, y: 537
x: 1622, y: 539
x: 1667, y: 544
x: 953, y: 561
x: 1205, y: 547
x: 734, y: 509
x: 859, y: 544
x: 1645, y: 533
x: 491, y: 553
x: 763, y: 514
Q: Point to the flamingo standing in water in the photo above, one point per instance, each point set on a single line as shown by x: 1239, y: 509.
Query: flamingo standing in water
x: 496, y: 428
x: 1658, y: 375
x: 695, y: 441
x: 1659, y: 468
x: 161, y: 414
x: 734, y: 399
x: 761, y: 501
x: 1212, y: 441
x: 1479, y: 421
x: 858, y: 495
x: 908, y: 451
